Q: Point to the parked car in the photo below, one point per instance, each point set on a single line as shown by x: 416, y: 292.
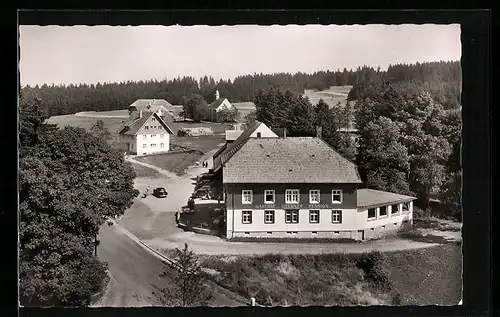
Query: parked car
x: 160, y: 192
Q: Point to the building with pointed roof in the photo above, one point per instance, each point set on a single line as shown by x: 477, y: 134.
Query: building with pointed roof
x: 300, y: 187
x: 145, y: 133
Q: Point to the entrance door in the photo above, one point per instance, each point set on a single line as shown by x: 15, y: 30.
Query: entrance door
x: 361, y: 234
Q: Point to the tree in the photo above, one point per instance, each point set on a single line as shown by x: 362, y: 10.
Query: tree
x: 187, y: 288
x: 451, y: 195
x: 383, y: 160
x: 325, y: 118
x: 100, y: 131
x: 250, y: 118
x: 196, y: 108
x: 227, y: 115
x: 68, y: 182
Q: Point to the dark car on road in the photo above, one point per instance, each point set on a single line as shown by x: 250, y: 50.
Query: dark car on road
x: 160, y: 192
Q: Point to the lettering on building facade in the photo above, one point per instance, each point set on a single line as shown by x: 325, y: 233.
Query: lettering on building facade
x: 292, y: 206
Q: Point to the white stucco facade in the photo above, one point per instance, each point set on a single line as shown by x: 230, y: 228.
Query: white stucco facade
x: 150, y: 138
x: 225, y: 105
x: 152, y: 143
x: 355, y: 224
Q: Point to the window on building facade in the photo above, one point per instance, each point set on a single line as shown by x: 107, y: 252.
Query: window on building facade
x: 145, y: 136
x: 246, y: 216
x: 292, y: 196
x: 382, y: 211
x: 161, y: 135
x: 246, y: 197
x: 336, y: 196
x: 162, y: 144
x: 336, y: 216
x: 153, y: 144
x: 146, y: 128
x: 314, y: 216
x: 291, y: 216
x: 269, y: 216
x: 395, y: 209
x: 259, y: 134
x: 153, y: 135
x: 144, y: 146
x: 269, y: 196
x: 153, y: 119
x: 314, y: 196
x: 406, y: 207
x: 372, y: 213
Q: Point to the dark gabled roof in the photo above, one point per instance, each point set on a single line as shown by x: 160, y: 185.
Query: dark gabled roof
x: 232, y: 148
x: 289, y: 160
x: 214, y: 105
x: 134, y: 125
x: 374, y: 198
x: 219, y: 151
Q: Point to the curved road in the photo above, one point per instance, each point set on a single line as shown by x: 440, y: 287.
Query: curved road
x: 134, y: 273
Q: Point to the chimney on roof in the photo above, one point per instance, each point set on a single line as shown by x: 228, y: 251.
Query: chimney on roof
x: 217, y: 96
x: 318, y: 131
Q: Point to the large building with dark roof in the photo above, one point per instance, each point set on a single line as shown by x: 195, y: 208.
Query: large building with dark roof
x: 300, y: 187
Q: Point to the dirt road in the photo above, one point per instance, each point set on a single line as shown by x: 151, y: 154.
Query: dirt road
x: 134, y: 273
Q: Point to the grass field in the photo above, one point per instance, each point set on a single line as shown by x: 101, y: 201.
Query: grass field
x: 414, y: 277
x: 142, y: 171
x: 331, y: 96
x: 173, y: 162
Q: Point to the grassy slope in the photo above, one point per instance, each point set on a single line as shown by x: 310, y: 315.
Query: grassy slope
x: 420, y: 277
x: 330, y: 99
x: 173, y: 162
x: 142, y: 171
x: 428, y: 276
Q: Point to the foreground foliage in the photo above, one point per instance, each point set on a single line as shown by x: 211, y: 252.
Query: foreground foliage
x: 185, y: 287
x: 69, y: 181
x: 308, y: 280
x: 415, y: 277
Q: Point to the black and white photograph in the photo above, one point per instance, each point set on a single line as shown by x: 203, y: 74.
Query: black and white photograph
x: 240, y: 165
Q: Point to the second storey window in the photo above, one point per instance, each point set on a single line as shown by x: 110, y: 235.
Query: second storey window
x: 153, y: 135
x: 144, y: 145
x: 144, y: 136
x: 291, y: 216
x: 269, y: 196
x: 292, y: 196
x: 161, y: 135
x: 246, y: 216
x: 162, y: 144
x: 314, y: 196
x: 269, y: 216
x: 336, y: 196
x: 246, y: 197
x: 153, y: 144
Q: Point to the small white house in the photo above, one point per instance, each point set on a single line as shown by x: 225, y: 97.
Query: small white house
x: 218, y: 105
x: 145, y: 133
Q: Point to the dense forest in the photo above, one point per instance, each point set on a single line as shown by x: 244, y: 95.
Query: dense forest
x: 442, y: 79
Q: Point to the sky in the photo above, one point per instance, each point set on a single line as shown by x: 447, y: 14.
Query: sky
x: 91, y: 54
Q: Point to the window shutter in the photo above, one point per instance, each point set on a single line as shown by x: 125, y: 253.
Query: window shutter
x: 340, y: 217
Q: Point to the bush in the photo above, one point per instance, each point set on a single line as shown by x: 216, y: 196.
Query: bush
x: 421, y: 214
x: 373, y: 266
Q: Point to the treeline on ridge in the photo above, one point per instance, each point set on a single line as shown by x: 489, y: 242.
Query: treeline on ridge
x: 442, y: 79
